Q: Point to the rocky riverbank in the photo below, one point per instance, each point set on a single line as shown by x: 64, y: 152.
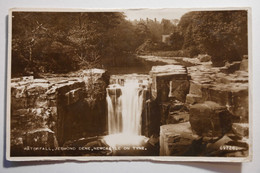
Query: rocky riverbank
x: 208, y: 115
x: 48, y: 112
x: 190, y: 109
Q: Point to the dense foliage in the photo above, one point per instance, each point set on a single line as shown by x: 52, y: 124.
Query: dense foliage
x: 60, y: 42
x: 221, y: 34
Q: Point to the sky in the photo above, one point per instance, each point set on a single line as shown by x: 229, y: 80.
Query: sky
x: 159, y: 14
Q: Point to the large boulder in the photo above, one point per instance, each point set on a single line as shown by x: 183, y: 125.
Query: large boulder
x: 43, y: 137
x: 233, y: 96
x: 231, y: 67
x: 178, y: 140
x: 177, y: 117
x: 179, y: 89
x: 210, y: 119
x: 240, y: 129
x: 169, y: 81
x: 226, y: 147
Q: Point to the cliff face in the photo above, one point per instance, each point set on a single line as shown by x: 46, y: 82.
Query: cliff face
x: 209, y: 104
x: 218, y: 85
x: 46, y: 113
x: 198, y: 110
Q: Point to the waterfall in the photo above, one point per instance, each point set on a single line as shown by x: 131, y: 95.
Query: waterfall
x: 125, y: 104
x: 126, y: 96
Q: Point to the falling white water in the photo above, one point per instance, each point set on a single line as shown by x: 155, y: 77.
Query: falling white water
x: 132, y: 104
x: 125, y: 108
x: 125, y: 105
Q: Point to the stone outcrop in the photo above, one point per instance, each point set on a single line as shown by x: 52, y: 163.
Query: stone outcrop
x: 210, y: 119
x: 41, y: 109
x: 169, y: 81
x: 215, y: 121
x: 174, y: 112
x: 230, y: 90
x: 227, y: 147
x: 177, y: 140
x: 198, y: 110
x: 240, y: 129
x: 169, y: 87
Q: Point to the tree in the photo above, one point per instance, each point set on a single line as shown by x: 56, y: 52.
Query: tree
x: 221, y: 34
x: 167, y: 26
x: 176, y: 40
x: 142, y: 32
x: 156, y: 30
x: 60, y: 42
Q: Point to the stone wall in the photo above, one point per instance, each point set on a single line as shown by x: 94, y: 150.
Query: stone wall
x: 46, y: 112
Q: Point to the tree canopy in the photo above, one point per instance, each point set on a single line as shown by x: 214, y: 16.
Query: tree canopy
x: 221, y: 34
x: 59, y: 42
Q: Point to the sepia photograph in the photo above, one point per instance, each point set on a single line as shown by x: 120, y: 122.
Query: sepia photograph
x: 129, y: 84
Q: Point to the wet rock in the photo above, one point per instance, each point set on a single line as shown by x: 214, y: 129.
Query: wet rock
x: 227, y: 147
x: 20, y: 112
x: 179, y: 89
x: 192, y: 99
x: 169, y: 81
x: 164, y: 111
x: 120, y: 79
x: 178, y: 106
x: 226, y: 89
x: 177, y: 117
x: 18, y: 91
x: 240, y: 104
x: 235, y: 98
x: 37, y: 88
x: 240, y: 129
x: 243, y: 153
x: 174, y: 112
x: 41, y: 101
x: 216, y: 146
x: 114, y: 91
x: 40, y: 81
x: 18, y: 103
x: 153, y: 140
x: 152, y: 146
x: 17, y: 146
x: 231, y: 67
x: 52, y: 103
x: 92, y: 74
x: 41, y: 138
x: 89, y: 146
x: 69, y: 85
x: 39, y: 110
x: 195, y: 88
x: 210, y: 119
x: 73, y: 96
x: 177, y: 139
